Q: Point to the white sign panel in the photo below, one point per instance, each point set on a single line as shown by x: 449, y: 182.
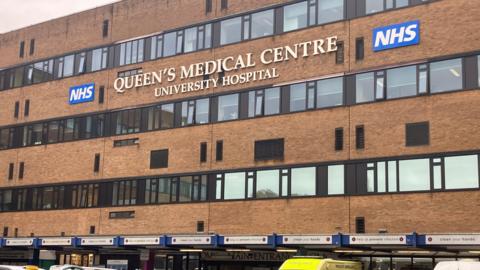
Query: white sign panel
x: 191, y: 240
x: 245, y: 240
x: 445, y: 239
x: 307, y: 239
x: 105, y: 241
x: 378, y: 240
x: 128, y: 241
x: 19, y: 242
x: 65, y: 241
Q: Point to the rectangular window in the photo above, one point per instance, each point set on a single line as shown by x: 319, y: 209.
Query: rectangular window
x: 190, y: 39
x: 446, y: 75
x: 414, y: 174
x: 338, y: 139
x: 131, y: 52
x: 99, y: 59
x: 340, y: 53
x: 401, y: 82
x: 228, y: 107
x: 360, y: 137
x: 303, y: 181
x: 21, y: 170
x: 336, y: 179
x: 167, y: 116
x: 159, y: 159
x: 359, y: 49
x: 330, y: 92
x: 68, y: 63
x: 379, y: 85
x: 330, y: 11
x: 32, y: 46
x: 264, y: 102
x: 185, y: 189
x: 417, y: 134
x: 124, y: 192
x: 461, y: 172
x: 126, y: 142
x: 96, y: 163
x: 295, y: 16
x: 422, y: 79
x: 381, y: 180
x: 224, y: 4
x: 231, y: 31
x: 219, y: 151
x: 203, y: 152
x: 10, y: 171
x: 16, y: 110
x: 298, y: 97
x: 234, y: 186
x: 101, y: 94
x: 169, y: 44
x: 364, y: 90
x: 22, y: 49
x: 268, y: 184
x: 392, y: 176
x: 269, y: 149
x: 262, y: 24
x: 26, y: 112
x: 373, y: 6
x: 105, y: 28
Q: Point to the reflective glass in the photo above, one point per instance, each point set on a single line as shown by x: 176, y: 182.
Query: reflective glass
x: 303, y: 181
x: 190, y: 39
x: 230, y: 31
x: 402, y: 82
x: 336, y: 179
x: 272, y: 101
x: 298, y: 97
x: 169, y: 44
x: 268, y: 184
x: 295, y: 16
x: 364, y: 87
x: 228, y: 107
x: 330, y: 92
x: 234, y: 186
x: 414, y: 174
x: 330, y: 10
x: 461, y: 172
x: 446, y: 75
x: 262, y: 24
x: 373, y: 6
x: 201, y: 111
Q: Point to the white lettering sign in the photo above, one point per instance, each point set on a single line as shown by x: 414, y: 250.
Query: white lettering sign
x: 128, y: 241
x: 307, y: 239
x: 235, y: 64
x: 378, y: 239
x: 445, y: 239
x: 105, y: 241
x: 191, y: 240
x: 19, y: 242
x: 245, y: 240
x: 65, y: 241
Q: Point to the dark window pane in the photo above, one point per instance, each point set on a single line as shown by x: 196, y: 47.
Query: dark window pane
x: 185, y: 189
x: 159, y: 159
x: 167, y: 116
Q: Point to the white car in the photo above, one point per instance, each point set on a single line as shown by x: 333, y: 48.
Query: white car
x: 17, y: 267
x: 458, y: 265
x: 73, y: 267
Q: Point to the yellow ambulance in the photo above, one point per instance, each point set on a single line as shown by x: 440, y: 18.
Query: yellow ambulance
x: 319, y: 264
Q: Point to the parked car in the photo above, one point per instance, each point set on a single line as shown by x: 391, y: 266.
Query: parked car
x: 458, y: 265
x: 73, y: 267
x: 17, y: 267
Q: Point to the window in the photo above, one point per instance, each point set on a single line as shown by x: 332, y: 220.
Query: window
x: 234, y: 187
x: 99, y: 59
x: 190, y: 39
x: 262, y: 24
x: 330, y: 11
x: 414, y: 174
x: 224, y: 4
x: 402, y: 82
x: 105, y: 28
x: 169, y: 44
x: 364, y: 89
x: 330, y: 92
x: 338, y: 139
x: 22, y: 49
x: 124, y: 192
x: 461, y: 172
x: 303, y: 181
x: 208, y: 6
x: 478, y: 68
x: 264, y: 102
x: 131, y: 52
x: 268, y: 184
x: 159, y: 159
x: 32, y: 46
x: 295, y: 16
x: 101, y: 94
x: 167, y: 116
x: 203, y: 152
x: 269, y: 149
x: 298, y: 97
x: 84, y: 196
x: 121, y: 214
x: 228, y: 107
x: 4, y: 138
x: 66, y: 66
x: 417, y: 134
x: 21, y: 170
x: 126, y: 142
x: 446, y: 75
x: 96, y: 163
x: 80, y: 63
x: 336, y: 179
x: 185, y: 189
x: 126, y: 122
x: 26, y: 112
x: 10, y: 171
x: 219, y: 151
x: 340, y: 53
x: 360, y: 225
x: 230, y: 31
x: 16, y: 110
x: 360, y: 137
x: 157, y: 190
x: 373, y: 6
x: 359, y: 49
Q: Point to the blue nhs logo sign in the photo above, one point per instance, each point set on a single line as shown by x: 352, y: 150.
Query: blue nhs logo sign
x: 82, y: 93
x: 396, y: 35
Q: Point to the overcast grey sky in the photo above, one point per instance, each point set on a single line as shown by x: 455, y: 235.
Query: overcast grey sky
x: 15, y: 14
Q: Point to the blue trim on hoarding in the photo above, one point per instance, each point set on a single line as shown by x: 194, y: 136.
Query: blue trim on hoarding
x: 1, y: 242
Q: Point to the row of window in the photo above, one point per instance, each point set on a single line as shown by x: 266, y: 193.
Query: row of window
x: 249, y: 26
x: 359, y: 178
x: 421, y: 79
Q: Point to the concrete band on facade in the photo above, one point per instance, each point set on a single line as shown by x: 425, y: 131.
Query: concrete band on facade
x: 394, y: 159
